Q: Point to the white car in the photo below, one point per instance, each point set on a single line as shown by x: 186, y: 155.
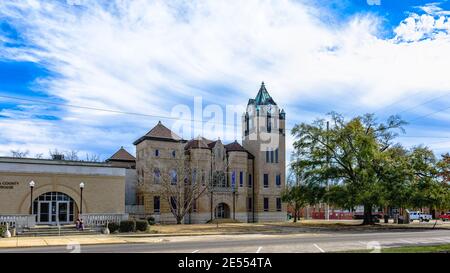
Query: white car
x: 417, y: 215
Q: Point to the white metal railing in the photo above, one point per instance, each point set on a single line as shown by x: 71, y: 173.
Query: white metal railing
x: 134, y: 209
x: 100, y: 219
x: 18, y: 220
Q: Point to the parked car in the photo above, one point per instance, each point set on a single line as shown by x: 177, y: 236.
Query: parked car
x: 376, y: 216
x: 445, y: 216
x: 417, y: 215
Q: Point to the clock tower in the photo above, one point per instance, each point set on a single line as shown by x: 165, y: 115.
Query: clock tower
x: 263, y: 136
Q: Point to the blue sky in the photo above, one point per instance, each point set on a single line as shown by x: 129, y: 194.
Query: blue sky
x: 150, y: 56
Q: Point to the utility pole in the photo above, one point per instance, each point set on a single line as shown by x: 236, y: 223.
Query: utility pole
x: 327, y: 206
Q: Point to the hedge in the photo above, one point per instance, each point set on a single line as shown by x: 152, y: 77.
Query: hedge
x: 113, y: 227
x: 127, y: 226
x: 151, y: 220
x: 141, y: 225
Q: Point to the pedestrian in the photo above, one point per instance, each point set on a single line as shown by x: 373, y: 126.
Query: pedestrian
x: 77, y: 224
x: 81, y: 225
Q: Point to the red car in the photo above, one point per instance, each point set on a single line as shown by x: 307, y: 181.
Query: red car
x: 445, y: 216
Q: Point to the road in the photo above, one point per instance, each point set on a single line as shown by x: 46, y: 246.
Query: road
x: 257, y: 243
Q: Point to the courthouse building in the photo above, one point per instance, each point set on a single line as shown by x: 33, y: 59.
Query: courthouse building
x: 241, y: 181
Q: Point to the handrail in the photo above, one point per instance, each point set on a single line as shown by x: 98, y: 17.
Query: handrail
x: 18, y: 220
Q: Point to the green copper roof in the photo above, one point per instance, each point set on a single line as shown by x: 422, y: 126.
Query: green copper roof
x: 263, y: 97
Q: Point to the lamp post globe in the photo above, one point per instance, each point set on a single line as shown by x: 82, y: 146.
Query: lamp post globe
x: 32, y: 184
x: 81, y: 197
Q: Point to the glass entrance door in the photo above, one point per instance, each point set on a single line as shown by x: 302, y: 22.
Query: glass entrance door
x: 63, y: 212
x: 222, y: 211
x: 44, y: 212
x: 53, y: 208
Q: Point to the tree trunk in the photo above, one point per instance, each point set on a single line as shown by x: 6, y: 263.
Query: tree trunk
x: 368, y: 219
x: 295, y: 216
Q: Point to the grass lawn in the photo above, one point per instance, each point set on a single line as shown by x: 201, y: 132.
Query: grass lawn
x: 418, y: 249
x: 409, y: 249
x: 215, y: 228
x: 286, y: 227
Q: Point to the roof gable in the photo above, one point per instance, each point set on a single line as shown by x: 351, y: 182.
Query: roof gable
x: 235, y: 147
x: 198, y: 143
x: 161, y: 131
x: 122, y: 155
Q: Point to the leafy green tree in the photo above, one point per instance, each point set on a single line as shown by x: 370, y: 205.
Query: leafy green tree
x: 299, y: 195
x: 396, y: 177
x: 292, y: 195
x: 444, y: 168
x: 348, y: 157
x: 429, y: 190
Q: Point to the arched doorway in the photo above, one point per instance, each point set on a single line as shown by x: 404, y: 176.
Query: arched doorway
x: 54, y: 208
x: 222, y: 211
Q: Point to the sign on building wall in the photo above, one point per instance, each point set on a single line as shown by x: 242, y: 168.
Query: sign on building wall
x: 8, y: 185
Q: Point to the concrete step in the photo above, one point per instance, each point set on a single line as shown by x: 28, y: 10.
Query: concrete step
x: 54, y: 231
x: 57, y: 234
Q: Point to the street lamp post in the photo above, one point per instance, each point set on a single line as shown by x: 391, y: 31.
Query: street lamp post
x: 32, y: 184
x: 81, y: 197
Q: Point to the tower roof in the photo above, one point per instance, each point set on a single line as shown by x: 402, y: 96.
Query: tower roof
x: 197, y: 143
x: 263, y: 97
x: 160, y: 132
x: 235, y: 147
x: 122, y: 155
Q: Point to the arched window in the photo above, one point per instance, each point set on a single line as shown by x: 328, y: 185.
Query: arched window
x: 247, y: 125
x: 173, y: 175
x: 222, y: 211
x: 156, y: 176
x: 54, y: 207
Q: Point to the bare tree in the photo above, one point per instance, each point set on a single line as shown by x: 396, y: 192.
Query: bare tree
x: 181, y: 185
x: 39, y: 155
x: 92, y: 157
x: 19, y: 154
x: 71, y: 155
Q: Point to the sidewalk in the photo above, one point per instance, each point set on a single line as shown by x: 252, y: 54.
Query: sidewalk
x: 120, y: 238
x: 59, y: 240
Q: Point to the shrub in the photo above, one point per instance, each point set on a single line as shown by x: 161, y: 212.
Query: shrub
x: 151, y: 220
x: 141, y: 225
x: 113, y: 227
x: 2, y: 230
x: 127, y: 226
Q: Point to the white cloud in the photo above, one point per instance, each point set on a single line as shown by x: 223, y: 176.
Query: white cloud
x: 148, y: 56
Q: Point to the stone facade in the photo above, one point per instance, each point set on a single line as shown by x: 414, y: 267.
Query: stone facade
x: 57, y: 188
x: 241, y: 182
